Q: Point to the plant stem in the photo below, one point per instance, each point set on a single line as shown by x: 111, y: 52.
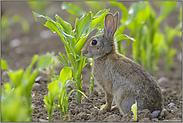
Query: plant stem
x: 79, y: 88
x: 61, y: 115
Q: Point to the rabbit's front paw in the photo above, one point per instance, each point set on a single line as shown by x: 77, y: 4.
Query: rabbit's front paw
x: 104, y: 108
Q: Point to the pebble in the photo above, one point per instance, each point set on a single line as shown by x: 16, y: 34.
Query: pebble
x: 83, y: 115
x: 36, y: 86
x: 38, y: 79
x: 112, y: 118
x: 154, y: 120
x: 172, y: 106
x: 43, y: 120
x: 145, y: 113
x: 163, y: 80
x: 144, y: 120
x: 45, y: 34
x: 179, y: 56
x: 164, y: 113
x: 126, y: 117
x: 15, y: 43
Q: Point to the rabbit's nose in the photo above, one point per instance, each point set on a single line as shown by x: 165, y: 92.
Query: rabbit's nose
x: 84, y: 51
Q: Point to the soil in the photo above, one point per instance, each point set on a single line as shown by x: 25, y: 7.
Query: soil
x: 33, y: 43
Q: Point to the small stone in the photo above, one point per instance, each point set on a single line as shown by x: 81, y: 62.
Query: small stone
x: 15, y: 43
x: 73, y: 112
x: 36, y: 86
x: 83, y: 115
x: 43, y: 120
x: 126, y: 117
x: 45, y: 34
x: 163, y: 80
x: 172, y: 106
x: 145, y: 113
x: 144, y: 120
x: 112, y: 118
x: 38, y: 79
x: 179, y: 56
x: 164, y: 113
x: 154, y: 120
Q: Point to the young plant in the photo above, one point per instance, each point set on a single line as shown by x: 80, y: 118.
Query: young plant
x: 74, y: 40
x: 50, y: 70
x: 58, y: 90
x: 134, y: 110
x: 119, y: 36
x: 20, y: 87
x: 7, y: 22
x: 91, y: 77
x: 169, y: 51
x: 143, y: 24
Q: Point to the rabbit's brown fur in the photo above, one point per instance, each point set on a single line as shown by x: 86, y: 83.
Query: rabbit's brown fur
x: 120, y: 77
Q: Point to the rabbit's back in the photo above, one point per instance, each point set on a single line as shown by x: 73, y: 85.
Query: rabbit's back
x: 128, y: 82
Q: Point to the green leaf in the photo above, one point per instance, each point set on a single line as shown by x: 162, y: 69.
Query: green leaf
x: 123, y: 37
x: 167, y: 7
x: 44, y: 61
x: 27, y: 72
x: 99, y: 21
x: 4, y: 65
x: 80, y: 44
x: 65, y: 74
x: 15, y: 77
x: 99, y: 13
x: 134, y: 110
x: 64, y: 59
x: 53, y: 90
x: 66, y: 26
x: 82, y: 93
x: 72, y: 9
x: 82, y: 25
x: 67, y: 83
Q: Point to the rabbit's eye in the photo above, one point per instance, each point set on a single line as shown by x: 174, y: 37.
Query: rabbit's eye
x: 94, y: 42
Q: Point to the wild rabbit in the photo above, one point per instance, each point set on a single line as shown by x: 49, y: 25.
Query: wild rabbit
x: 120, y: 77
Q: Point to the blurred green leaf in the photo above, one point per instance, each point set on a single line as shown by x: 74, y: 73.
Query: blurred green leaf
x: 96, y: 5
x: 53, y: 91
x: 4, y: 65
x: 44, y: 61
x: 99, y: 21
x: 167, y: 7
x: 124, y: 14
x: 121, y: 37
x: 15, y: 77
x: 72, y: 9
x: 27, y: 72
x: 65, y: 74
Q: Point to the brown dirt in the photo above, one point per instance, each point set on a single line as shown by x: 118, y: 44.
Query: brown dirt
x: 32, y: 43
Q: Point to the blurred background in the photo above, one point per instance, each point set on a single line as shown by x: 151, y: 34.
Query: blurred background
x: 23, y: 36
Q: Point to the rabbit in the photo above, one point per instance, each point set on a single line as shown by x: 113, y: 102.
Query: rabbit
x: 120, y: 77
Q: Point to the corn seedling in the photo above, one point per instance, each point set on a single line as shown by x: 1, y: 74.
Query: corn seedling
x: 58, y: 90
x: 50, y: 70
x: 97, y: 21
x: 74, y: 40
x: 7, y: 22
x: 134, y: 110
x: 91, y: 78
x: 16, y: 94
x: 143, y: 24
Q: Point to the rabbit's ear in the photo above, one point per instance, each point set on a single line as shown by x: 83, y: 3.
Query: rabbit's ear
x: 116, y: 21
x: 108, y: 25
